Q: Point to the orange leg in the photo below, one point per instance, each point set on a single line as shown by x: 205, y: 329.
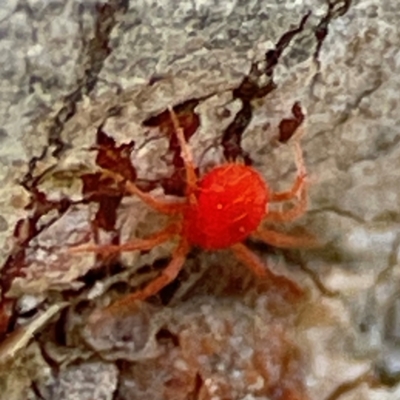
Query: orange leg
x: 191, y: 177
x: 161, y: 206
x: 292, y: 213
x: 167, y: 276
x: 282, y: 240
x: 137, y: 244
x: 259, y: 269
x: 298, y: 183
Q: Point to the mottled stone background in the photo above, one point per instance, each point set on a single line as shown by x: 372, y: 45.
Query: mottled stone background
x: 68, y: 67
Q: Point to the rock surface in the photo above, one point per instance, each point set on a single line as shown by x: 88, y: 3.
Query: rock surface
x: 77, y: 75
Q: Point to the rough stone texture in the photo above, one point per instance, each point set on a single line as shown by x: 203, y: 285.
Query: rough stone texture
x: 86, y: 381
x: 68, y: 67
x: 234, y: 356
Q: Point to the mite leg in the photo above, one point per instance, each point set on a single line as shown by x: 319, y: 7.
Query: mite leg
x: 259, y: 269
x: 170, y: 272
x: 283, y: 240
x: 298, y: 184
x: 186, y: 153
x: 291, y: 214
x: 137, y: 244
x: 161, y: 206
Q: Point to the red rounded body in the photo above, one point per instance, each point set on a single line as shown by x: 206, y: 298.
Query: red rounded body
x: 231, y: 202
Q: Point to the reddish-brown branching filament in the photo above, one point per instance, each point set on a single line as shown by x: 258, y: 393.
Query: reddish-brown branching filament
x: 221, y: 209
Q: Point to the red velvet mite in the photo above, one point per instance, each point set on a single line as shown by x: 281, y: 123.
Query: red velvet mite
x: 231, y: 202
x: 221, y: 209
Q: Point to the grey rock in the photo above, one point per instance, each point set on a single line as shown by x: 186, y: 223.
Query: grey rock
x: 70, y: 67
